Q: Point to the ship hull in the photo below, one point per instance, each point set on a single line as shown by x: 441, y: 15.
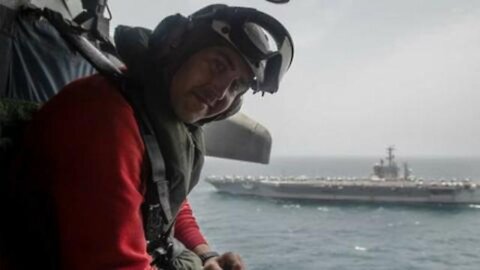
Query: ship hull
x: 362, y: 191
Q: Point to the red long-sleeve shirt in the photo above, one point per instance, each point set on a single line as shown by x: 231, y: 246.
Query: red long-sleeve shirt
x: 85, y: 149
x: 186, y: 228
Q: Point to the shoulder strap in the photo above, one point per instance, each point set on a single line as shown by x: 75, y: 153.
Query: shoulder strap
x: 157, y: 164
x: 158, y: 195
x: 158, y: 218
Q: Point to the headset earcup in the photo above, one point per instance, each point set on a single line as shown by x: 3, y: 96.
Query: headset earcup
x: 168, y: 35
x: 131, y: 42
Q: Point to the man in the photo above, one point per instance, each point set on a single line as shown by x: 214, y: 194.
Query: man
x: 107, y: 164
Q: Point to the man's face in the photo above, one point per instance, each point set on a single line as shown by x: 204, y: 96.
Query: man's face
x: 207, y: 83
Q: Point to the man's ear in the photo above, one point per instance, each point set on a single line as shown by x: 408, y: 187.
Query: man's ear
x: 168, y: 35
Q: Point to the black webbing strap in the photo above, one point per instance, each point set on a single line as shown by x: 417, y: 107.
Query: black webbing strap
x: 157, y: 164
x: 158, y: 231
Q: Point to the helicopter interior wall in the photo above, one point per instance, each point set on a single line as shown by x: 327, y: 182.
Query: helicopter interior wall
x: 38, y: 61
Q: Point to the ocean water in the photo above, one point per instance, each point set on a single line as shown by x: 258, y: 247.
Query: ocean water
x: 288, y: 234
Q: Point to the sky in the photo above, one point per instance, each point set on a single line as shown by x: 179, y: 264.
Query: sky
x: 366, y: 75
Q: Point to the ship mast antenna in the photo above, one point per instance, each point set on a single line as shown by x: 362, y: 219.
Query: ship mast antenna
x: 390, y: 156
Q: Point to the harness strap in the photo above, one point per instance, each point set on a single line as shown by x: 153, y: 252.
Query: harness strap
x: 157, y: 162
x: 159, y: 220
x: 158, y: 176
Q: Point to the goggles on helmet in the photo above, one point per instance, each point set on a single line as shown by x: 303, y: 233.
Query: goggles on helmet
x: 261, y: 40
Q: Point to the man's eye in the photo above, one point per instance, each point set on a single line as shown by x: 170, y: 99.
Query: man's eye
x: 219, y: 66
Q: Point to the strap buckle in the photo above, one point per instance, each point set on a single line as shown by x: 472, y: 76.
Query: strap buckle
x: 163, y: 256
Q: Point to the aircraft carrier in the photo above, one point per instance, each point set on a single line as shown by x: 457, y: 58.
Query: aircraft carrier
x: 384, y: 185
